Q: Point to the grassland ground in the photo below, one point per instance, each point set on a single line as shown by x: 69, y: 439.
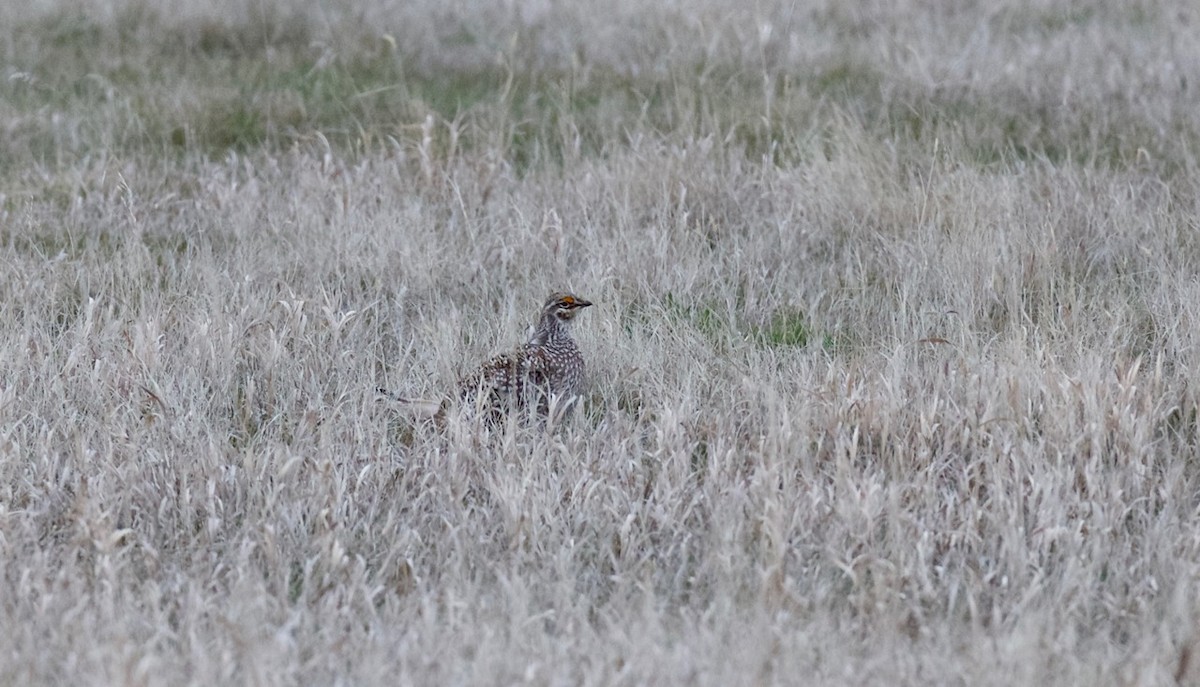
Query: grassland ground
x: 894, y: 366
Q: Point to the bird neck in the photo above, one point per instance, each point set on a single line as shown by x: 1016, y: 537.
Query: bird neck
x: 550, y: 328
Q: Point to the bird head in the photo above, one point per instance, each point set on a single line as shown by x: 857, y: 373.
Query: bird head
x: 564, y: 306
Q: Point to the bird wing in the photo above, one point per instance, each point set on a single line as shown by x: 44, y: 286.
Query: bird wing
x: 507, y: 372
x: 535, y: 364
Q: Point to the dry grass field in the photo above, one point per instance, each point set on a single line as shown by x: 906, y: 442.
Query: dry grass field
x: 894, y: 365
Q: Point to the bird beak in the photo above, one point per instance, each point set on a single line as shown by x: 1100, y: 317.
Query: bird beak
x: 580, y: 303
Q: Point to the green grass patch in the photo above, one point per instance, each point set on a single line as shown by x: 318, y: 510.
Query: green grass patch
x: 792, y: 329
x: 705, y: 317
x: 785, y: 329
x: 271, y: 79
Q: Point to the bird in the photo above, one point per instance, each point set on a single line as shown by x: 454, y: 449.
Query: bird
x: 541, y: 378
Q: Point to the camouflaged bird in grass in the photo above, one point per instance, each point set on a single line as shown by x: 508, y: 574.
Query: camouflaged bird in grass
x: 544, y: 377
